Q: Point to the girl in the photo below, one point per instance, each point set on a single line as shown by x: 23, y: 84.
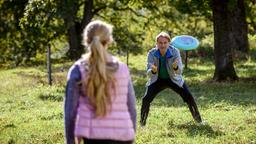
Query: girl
x: 99, y: 105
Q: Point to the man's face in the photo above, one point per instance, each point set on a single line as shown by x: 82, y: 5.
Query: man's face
x: 162, y: 43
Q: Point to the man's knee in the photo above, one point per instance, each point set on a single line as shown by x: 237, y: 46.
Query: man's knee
x: 187, y: 98
x: 147, y: 99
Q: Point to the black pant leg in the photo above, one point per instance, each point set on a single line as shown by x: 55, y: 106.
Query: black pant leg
x: 188, y: 98
x: 150, y: 94
x: 192, y: 105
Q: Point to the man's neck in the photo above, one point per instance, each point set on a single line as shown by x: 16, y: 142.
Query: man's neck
x: 163, y: 52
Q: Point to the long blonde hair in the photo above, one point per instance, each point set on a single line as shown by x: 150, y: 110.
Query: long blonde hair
x: 96, y: 36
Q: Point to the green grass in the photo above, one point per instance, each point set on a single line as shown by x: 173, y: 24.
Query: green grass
x: 32, y: 112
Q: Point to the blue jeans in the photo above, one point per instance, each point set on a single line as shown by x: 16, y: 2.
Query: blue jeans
x: 158, y: 86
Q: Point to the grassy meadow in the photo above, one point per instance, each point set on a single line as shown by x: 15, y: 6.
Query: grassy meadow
x: 32, y: 112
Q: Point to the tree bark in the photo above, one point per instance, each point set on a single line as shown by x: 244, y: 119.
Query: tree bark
x: 88, y: 13
x: 71, y: 9
x: 49, y: 64
x: 239, y: 26
x: 223, y: 41
x: 74, y: 40
x: 75, y: 29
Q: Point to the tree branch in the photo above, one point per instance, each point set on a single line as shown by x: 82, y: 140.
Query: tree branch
x: 96, y: 10
x: 88, y: 13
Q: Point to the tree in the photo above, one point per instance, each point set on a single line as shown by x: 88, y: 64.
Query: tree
x: 12, y: 38
x: 91, y: 9
x: 230, y: 31
x: 72, y: 16
x: 236, y: 12
x: 250, y: 7
x: 223, y: 41
x: 69, y: 10
x: 239, y: 26
x: 41, y: 22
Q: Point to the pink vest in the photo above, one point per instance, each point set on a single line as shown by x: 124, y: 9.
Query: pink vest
x: 117, y: 124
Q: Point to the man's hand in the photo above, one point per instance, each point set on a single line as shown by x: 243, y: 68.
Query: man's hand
x: 175, y: 64
x: 154, y: 68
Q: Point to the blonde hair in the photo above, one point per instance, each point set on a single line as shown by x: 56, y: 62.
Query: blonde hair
x: 163, y: 34
x: 96, y: 36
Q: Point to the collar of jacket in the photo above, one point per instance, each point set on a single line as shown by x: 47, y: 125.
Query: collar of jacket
x: 168, y: 53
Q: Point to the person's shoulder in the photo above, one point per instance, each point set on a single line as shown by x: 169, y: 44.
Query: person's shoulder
x: 173, y: 49
x: 75, y: 65
x: 122, y: 67
x: 119, y: 62
x: 80, y: 62
x: 74, y: 71
x: 153, y: 50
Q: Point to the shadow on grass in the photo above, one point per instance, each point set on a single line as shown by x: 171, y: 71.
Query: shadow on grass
x: 247, y: 79
x: 193, y: 72
x: 206, y: 92
x: 51, y: 97
x: 53, y: 116
x: 197, y: 129
x: 226, y: 94
x: 10, y: 126
x: 7, y: 126
x: 194, y: 129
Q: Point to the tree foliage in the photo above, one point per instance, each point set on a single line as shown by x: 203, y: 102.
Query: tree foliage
x: 250, y: 6
x: 11, y: 38
x: 28, y: 25
x: 69, y: 17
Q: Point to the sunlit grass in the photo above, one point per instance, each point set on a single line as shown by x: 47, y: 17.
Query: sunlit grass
x: 32, y: 112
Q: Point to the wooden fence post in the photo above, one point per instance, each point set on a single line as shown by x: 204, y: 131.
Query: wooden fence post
x: 49, y: 68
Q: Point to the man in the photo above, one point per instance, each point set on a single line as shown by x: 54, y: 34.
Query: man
x: 164, y: 69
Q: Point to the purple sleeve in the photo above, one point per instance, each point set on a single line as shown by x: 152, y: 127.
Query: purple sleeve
x: 71, y: 103
x: 131, y: 102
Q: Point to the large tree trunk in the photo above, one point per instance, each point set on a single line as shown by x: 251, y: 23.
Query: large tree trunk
x: 223, y: 41
x: 71, y: 9
x: 74, y: 40
x: 88, y: 13
x: 239, y: 26
x: 76, y: 49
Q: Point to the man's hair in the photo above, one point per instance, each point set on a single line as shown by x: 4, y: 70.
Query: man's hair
x: 163, y: 34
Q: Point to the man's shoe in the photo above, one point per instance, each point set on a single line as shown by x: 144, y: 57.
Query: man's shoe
x: 203, y: 123
x: 142, y: 123
x: 198, y: 119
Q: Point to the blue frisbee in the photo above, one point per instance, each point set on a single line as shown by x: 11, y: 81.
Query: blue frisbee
x: 185, y: 42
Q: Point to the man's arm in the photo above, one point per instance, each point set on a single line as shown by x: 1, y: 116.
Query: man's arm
x: 177, y: 64
x: 151, y: 68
